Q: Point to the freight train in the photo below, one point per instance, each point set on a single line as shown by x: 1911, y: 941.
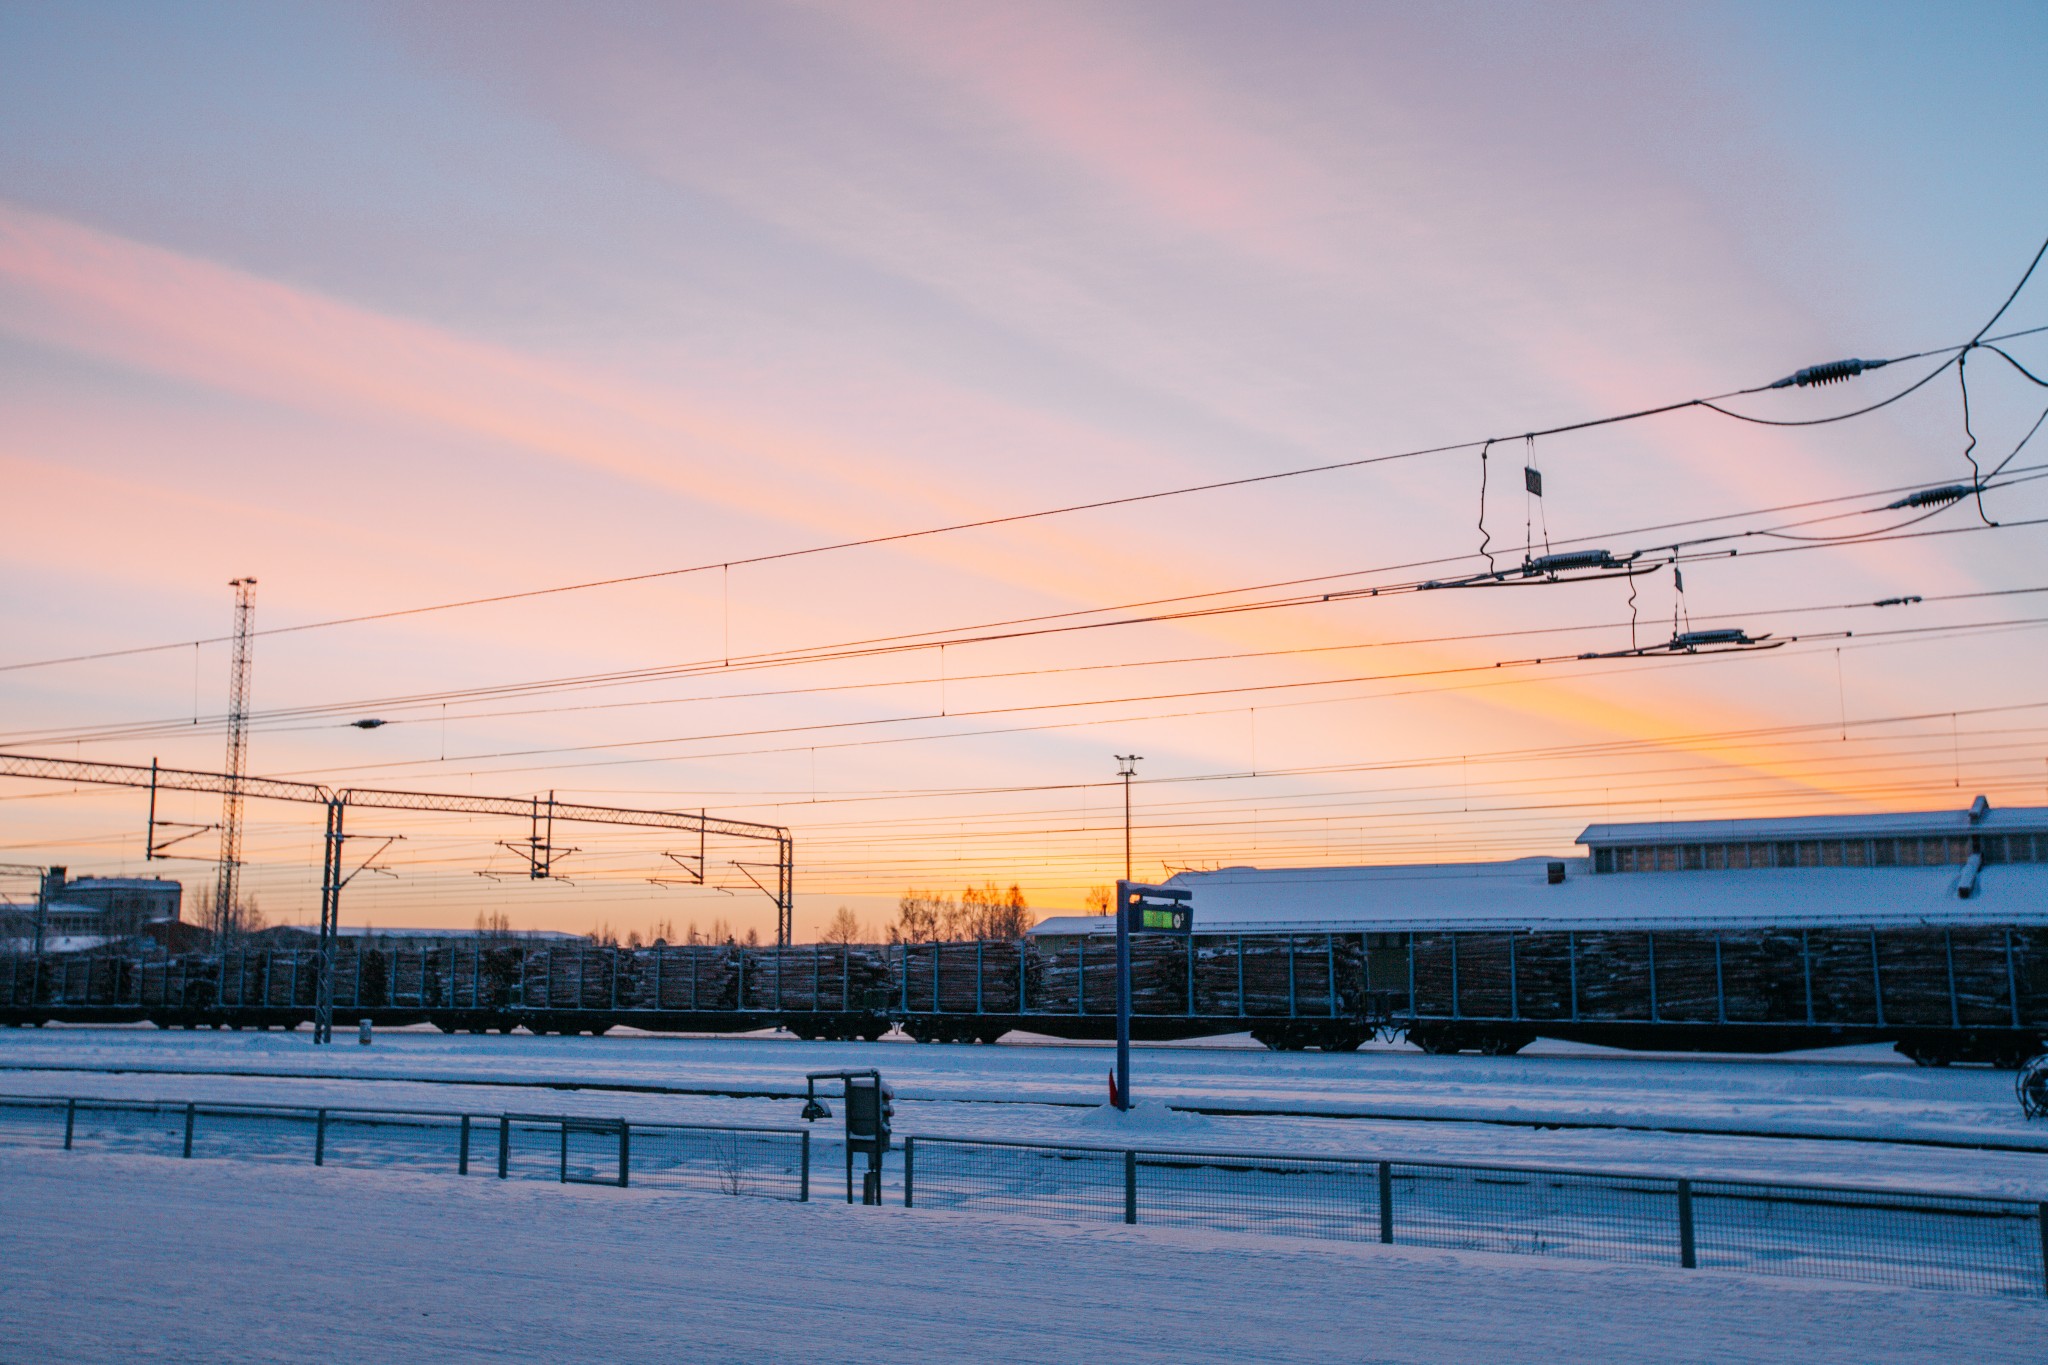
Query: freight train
x: 1960, y: 993
x: 1926, y: 930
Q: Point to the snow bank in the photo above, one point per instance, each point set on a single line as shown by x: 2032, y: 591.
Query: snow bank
x: 139, y: 1258
x: 1147, y: 1119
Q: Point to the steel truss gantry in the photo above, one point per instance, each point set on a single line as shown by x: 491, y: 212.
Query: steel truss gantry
x: 540, y: 813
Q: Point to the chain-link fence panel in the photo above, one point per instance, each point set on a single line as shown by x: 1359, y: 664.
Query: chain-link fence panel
x: 1086, y: 1184
x: 1539, y: 1212
x: 1933, y: 1241
x: 767, y: 1163
x: 1921, y: 1240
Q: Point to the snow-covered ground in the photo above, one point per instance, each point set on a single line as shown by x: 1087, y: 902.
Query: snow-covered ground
x: 157, y: 1259
x: 1049, y: 1092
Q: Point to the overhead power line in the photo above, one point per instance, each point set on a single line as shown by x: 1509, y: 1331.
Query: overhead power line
x: 1935, y: 498
x: 1710, y: 403
x: 1518, y: 667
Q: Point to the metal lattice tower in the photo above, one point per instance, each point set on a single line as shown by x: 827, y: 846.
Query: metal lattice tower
x: 225, y: 885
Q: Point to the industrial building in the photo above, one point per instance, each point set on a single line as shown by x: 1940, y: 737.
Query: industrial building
x: 76, y: 913
x: 1977, y: 865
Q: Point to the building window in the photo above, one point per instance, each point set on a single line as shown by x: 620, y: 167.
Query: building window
x: 1931, y: 851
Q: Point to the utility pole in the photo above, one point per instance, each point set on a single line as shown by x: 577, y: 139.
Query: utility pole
x: 331, y: 882
x: 1127, y: 770
x: 224, y: 901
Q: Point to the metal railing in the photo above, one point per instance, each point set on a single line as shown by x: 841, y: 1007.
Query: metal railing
x: 772, y: 1163
x: 1935, y: 1241
x: 1925, y: 1240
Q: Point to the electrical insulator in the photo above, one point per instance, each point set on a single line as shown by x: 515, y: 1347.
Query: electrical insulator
x: 1834, y: 372
x: 1936, y: 497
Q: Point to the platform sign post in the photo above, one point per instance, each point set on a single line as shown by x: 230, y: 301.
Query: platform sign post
x: 1141, y: 909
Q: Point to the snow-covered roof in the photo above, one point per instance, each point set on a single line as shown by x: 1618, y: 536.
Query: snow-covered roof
x: 1911, y: 824
x: 123, y: 884
x: 58, y: 943
x: 360, y: 931
x: 1519, y: 895
x: 1073, y: 924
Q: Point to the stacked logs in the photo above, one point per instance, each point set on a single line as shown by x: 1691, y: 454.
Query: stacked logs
x: 825, y: 976
x: 1898, y: 977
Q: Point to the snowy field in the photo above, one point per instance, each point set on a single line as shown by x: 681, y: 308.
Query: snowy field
x: 1851, y: 1107
x: 139, y: 1258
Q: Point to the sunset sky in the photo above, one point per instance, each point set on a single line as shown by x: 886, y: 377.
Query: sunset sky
x: 397, y: 305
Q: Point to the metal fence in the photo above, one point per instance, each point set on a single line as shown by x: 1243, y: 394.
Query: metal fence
x: 772, y: 1163
x: 1934, y: 1241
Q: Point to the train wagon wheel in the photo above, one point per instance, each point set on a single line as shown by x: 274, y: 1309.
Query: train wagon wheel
x: 1437, y: 1042
x: 2032, y: 1085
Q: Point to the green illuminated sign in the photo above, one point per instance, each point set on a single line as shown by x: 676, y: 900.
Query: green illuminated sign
x: 1157, y: 910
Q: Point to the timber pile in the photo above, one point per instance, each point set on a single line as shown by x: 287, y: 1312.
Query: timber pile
x: 232, y: 975
x: 408, y: 976
x: 701, y: 977
x: 1280, y: 968
x: 2030, y: 972
x: 1913, y: 972
x: 1216, y: 974
x: 1483, y: 966
x: 1686, y: 990
x: 373, y: 966
x: 569, y: 979
x: 1983, y: 988
x: 1614, y: 975
x: 1763, y: 975
x: 1543, y: 975
x: 1159, y: 975
x: 824, y: 976
x: 437, y: 977
x: 944, y: 977
x: 1842, y: 984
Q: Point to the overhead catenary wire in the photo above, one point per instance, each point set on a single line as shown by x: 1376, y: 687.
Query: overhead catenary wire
x: 1669, y: 661
x: 1711, y: 404
x: 144, y: 730
x: 1690, y: 742
x: 868, y: 647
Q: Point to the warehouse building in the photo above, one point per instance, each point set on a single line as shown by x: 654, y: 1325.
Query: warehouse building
x: 1930, y: 867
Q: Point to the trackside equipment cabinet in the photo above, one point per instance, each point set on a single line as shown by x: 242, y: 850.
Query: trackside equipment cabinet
x: 870, y: 1110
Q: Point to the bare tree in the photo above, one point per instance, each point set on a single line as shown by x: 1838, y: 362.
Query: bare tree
x: 844, y: 928
x: 237, y: 921
x: 983, y: 912
x: 924, y: 917
x: 494, y: 928
x: 1099, y: 900
x: 989, y: 913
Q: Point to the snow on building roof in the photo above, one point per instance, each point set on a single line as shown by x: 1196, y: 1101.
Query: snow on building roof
x: 124, y: 883
x: 58, y: 943
x: 1073, y: 924
x: 362, y: 931
x: 1519, y: 895
x: 1912, y: 824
